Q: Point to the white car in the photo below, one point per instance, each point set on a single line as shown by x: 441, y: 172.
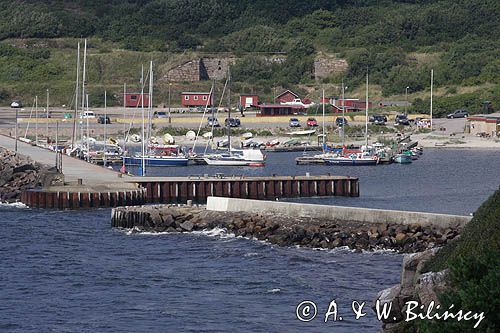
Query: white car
x: 15, y: 104
x: 87, y: 114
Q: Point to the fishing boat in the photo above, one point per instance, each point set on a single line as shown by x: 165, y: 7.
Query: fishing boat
x: 402, y: 159
x: 352, y: 159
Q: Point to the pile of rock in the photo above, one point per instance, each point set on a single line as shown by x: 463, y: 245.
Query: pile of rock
x: 284, y: 230
x: 18, y: 173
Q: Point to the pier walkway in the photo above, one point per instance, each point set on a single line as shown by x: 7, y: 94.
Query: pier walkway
x: 73, y: 168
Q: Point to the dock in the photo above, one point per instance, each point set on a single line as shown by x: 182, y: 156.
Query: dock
x: 199, y: 188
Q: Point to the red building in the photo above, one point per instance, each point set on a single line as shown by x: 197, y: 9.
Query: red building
x: 267, y: 110
x: 196, y: 99
x: 249, y: 100
x: 286, y: 96
x: 350, y: 104
x: 133, y: 100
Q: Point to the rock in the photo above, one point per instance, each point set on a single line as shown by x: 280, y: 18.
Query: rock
x: 429, y: 285
x: 168, y: 220
x: 400, y: 237
x: 390, y: 296
x: 337, y: 242
x: 188, y: 226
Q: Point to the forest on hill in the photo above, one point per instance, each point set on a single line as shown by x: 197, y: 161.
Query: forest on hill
x: 398, y: 42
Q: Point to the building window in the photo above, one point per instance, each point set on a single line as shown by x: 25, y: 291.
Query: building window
x: 204, y: 98
x: 133, y: 97
x: 186, y: 98
x: 195, y: 98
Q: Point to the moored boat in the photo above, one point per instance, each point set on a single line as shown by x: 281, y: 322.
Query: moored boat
x: 402, y: 159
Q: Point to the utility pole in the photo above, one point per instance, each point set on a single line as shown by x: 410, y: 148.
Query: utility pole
x: 169, y: 88
x: 105, y: 122
x: 15, y: 132
x: 73, y: 136
x: 406, y: 100
x: 36, y: 122
x: 57, y: 146
x: 432, y: 81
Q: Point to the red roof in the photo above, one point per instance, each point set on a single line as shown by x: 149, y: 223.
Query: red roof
x: 287, y: 91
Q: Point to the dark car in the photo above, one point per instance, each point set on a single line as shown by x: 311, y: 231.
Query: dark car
x: 340, y: 122
x: 232, y: 122
x: 378, y: 119
x: 103, y: 120
x: 458, y: 114
x: 401, y: 119
x: 160, y: 114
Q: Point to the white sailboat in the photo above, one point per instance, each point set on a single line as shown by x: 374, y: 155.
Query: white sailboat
x: 235, y: 157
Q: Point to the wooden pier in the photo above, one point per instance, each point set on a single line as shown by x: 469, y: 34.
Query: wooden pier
x: 198, y: 188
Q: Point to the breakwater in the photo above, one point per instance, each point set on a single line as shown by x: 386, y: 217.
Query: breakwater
x: 19, y: 173
x: 285, y: 230
x: 198, y: 188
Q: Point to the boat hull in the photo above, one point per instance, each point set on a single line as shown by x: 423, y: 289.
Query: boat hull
x: 351, y: 162
x: 402, y: 159
x: 156, y: 161
x: 231, y: 162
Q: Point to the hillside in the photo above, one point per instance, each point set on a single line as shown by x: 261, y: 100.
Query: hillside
x: 397, y: 41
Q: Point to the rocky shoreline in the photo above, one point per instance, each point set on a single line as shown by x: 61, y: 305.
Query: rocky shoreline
x: 19, y: 173
x: 284, y: 230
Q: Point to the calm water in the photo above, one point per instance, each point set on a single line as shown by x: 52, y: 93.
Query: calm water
x: 71, y: 272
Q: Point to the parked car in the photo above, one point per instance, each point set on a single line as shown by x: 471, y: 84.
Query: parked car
x: 212, y: 122
x: 103, y: 120
x: 401, y: 119
x: 461, y: 113
x: 340, y: 122
x: 311, y: 122
x: 16, y: 105
x: 67, y: 116
x: 232, y: 122
x: 378, y: 119
x: 160, y: 114
x: 294, y: 122
x: 87, y: 114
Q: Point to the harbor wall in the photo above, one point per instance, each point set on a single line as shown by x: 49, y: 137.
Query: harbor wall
x: 337, y: 213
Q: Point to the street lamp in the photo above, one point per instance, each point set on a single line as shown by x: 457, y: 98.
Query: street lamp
x: 406, y: 98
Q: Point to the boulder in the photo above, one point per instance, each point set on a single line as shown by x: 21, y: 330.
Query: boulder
x: 187, y: 226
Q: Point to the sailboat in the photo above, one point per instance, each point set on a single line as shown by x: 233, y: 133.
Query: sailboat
x: 363, y: 157
x: 235, y: 157
x: 166, y: 155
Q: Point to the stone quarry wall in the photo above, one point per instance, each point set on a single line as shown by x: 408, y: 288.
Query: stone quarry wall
x: 187, y: 72
x: 284, y: 230
x: 19, y: 173
x: 327, y: 66
x: 216, y: 68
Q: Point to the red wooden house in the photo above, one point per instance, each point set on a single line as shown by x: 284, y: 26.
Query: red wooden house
x: 249, y: 100
x: 196, y: 99
x: 133, y: 100
x: 286, y: 96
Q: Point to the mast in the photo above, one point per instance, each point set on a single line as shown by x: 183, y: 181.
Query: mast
x: 124, y: 115
x: 229, y: 113
x: 150, y: 103
x: 83, y: 86
x: 432, y: 79
x: 88, y: 132
x: 105, y: 122
x: 143, y: 172
x: 73, y: 136
x: 366, y: 113
x: 343, y: 115
x: 47, y: 115
x: 324, y: 139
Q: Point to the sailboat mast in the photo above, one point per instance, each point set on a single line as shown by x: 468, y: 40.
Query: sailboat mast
x: 105, y: 123
x: 124, y: 116
x: 432, y: 81
x: 366, y: 114
x: 73, y: 136
x: 88, y: 132
x: 229, y: 106
x: 324, y: 139
x: 343, y: 115
x: 83, y: 84
x: 142, y: 128
x: 150, y: 103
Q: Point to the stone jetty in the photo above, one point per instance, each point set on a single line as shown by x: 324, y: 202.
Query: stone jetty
x: 19, y: 173
x: 284, y: 230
